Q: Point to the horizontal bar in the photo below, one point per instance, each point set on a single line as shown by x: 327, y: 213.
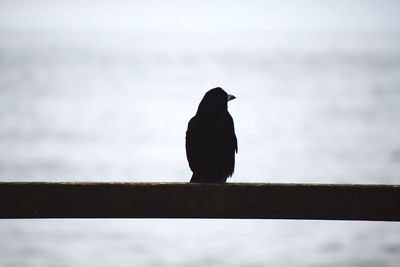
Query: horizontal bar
x: 188, y: 200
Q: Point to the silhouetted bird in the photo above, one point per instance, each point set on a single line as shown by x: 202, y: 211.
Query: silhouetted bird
x: 210, y: 139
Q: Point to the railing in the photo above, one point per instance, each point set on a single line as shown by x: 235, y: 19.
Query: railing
x: 185, y: 200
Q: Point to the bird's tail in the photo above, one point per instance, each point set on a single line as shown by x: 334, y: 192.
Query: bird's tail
x: 196, y: 179
x: 199, y: 178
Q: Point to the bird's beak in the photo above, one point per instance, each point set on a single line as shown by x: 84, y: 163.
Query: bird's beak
x: 231, y: 97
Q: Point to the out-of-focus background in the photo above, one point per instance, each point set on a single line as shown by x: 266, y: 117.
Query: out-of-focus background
x: 103, y: 91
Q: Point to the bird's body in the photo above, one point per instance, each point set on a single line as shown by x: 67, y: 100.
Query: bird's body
x: 211, y: 142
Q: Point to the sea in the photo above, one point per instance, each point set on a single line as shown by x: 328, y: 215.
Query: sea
x: 310, y: 107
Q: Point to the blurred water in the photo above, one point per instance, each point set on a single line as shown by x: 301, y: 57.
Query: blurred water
x: 80, y: 106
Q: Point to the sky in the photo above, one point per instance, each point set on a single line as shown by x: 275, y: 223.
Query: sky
x: 176, y: 16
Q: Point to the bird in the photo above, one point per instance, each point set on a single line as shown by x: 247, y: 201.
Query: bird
x: 211, y: 141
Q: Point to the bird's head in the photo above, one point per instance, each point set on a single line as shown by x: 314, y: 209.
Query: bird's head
x: 215, y: 100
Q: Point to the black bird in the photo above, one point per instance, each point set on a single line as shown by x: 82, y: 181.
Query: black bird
x: 210, y: 139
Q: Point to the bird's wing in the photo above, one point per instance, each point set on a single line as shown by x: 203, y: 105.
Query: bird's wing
x: 211, y: 145
x: 194, y: 150
x: 228, y: 145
